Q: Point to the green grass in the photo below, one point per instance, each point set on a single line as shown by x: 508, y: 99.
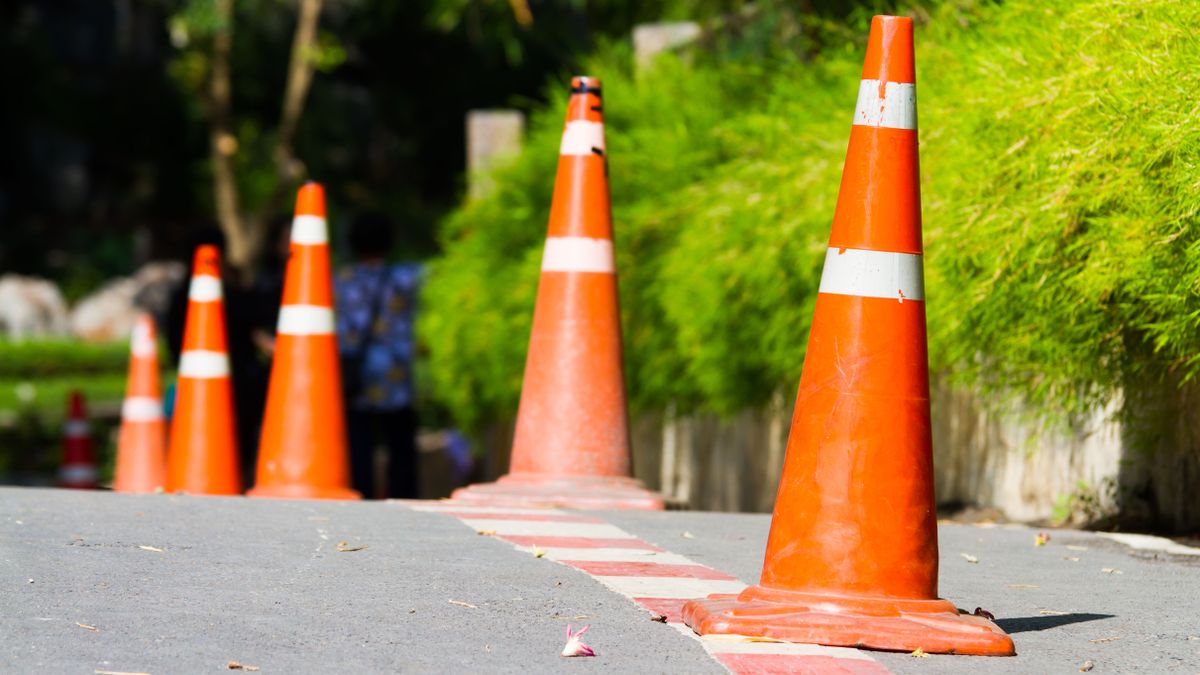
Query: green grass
x: 1060, y: 159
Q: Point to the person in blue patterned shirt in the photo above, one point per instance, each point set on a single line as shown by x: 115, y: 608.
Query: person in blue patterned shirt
x: 375, y: 303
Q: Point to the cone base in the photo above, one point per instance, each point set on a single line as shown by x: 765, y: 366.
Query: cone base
x: 302, y: 492
x: 568, y: 492
x: 889, y: 624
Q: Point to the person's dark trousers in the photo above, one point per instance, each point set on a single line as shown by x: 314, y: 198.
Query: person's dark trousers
x: 397, y: 431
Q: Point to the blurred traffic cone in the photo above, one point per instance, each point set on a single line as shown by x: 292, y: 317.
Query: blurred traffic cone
x: 852, y: 557
x: 303, y: 452
x: 572, y: 439
x: 202, y: 457
x: 141, y: 456
x: 78, y: 468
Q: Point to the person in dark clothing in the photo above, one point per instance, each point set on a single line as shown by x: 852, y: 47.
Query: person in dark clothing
x: 248, y: 371
x: 375, y: 309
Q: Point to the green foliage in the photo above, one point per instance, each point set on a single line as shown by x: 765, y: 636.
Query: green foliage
x: 55, y: 358
x: 1059, y: 177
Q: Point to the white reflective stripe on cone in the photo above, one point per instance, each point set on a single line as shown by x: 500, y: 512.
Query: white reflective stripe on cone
x: 310, y: 230
x: 577, y: 254
x: 873, y: 274
x: 580, y: 136
x: 305, y: 320
x: 77, y: 429
x: 202, y: 364
x: 141, y: 409
x: 893, y: 107
x: 77, y: 473
x: 205, y: 288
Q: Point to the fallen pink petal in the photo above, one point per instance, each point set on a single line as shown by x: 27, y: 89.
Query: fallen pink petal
x: 575, y: 646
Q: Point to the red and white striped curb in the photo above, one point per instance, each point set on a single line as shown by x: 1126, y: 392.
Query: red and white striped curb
x: 655, y: 579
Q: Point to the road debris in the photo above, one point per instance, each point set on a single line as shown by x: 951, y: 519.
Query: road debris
x: 345, y: 547
x: 919, y: 653
x: 91, y: 628
x: 1023, y: 586
x: 660, y: 618
x: 460, y: 603
x: 979, y: 611
x: 538, y: 553
x: 1041, y: 539
x: 575, y: 646
x: 234, y: 665
x: 1052, y: 612
x: 969, y: 558
x: 151, y: 548
x: 1105, y: 639
x: 1111, y: 570
x: 486, y: 533
x: 687, y: 535
x: 1087, y: 665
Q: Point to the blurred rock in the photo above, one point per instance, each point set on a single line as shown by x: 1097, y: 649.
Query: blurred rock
x: 651, y: 39
x: 31, y: 307
x: 109, y: 313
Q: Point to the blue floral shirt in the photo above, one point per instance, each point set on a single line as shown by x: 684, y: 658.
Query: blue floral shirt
x: 389, y: 292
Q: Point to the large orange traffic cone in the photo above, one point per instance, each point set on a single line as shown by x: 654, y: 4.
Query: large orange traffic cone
x: 202, y: 457
x: 141, y: 455
x: 78, y: 469
x: 572, y: 438
x: 852, y: 558
x: 303, y: 450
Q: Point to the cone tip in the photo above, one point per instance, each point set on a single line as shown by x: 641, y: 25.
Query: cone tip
x: 581, y: 84
x: 890, y: 50
x: 75, y: 405
x: 207, y: 261
x: 310, y: 200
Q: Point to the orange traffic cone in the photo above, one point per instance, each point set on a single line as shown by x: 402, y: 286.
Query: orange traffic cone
x: 303, y: 450
x: 141, y: 456
x: 852, y: 558
x: 572, y: 439
x: 78, y: 468
x: 202, y: 457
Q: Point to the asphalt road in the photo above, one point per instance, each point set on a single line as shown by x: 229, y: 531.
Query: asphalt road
x: 174, y: 584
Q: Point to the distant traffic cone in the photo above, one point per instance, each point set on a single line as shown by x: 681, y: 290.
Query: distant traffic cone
x: 303, y: 453
x: 141, y: 444
x: 572, y: 438
x: 202, y: 456
x: 78, y: 468
x: 852, y: 558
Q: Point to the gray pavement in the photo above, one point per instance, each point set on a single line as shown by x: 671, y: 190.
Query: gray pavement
x: 261, y: 582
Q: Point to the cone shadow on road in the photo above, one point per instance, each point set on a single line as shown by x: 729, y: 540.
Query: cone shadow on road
x: 1026, y: 624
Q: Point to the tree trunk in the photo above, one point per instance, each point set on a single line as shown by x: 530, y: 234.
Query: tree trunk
x: 245, y: 232
x: 221, y: 141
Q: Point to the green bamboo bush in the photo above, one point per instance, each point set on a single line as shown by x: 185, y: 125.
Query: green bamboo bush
x: 1060, y: 181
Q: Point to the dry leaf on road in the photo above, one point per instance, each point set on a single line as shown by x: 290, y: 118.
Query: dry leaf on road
x: 1087, y: 665
x: 345, y: 547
